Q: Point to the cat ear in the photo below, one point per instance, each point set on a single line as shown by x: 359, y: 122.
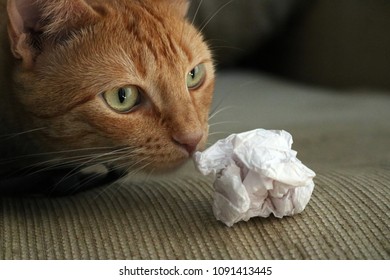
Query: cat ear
x: 31, y: 21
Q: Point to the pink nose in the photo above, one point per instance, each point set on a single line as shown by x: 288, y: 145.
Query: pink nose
x: 189, y: 141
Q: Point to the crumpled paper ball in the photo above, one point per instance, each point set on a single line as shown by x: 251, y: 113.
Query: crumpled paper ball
x: 256, y: 174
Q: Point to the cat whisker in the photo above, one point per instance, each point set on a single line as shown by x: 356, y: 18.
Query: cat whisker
x: 212, y: 45
x: 217, y: 47
x: 226, y: 95
x: 221, y: 134
x: 216, y: 112
x: 214, y: 15
x: 88, y: 180
x: 225, y: 122
x: 93, y: 177
x: 211, y: 134
x: 218, y: 132
x: 126, y: 153
x: 59, y: 163
x: 150, y: 173
x: 32, y: 169
x: 129, y: 171
x: 130, y: 168
x: 86, y: 163
x: 71, y: 161
x: 99, y: 156
x: 75, y: 150
x: 14, y: 135
x: 53, y: 153
x: 196, y: 12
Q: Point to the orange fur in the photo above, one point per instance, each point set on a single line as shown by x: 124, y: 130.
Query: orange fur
x: 82, y: 48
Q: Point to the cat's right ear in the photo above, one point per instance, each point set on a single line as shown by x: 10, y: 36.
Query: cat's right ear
x: 30, y: 22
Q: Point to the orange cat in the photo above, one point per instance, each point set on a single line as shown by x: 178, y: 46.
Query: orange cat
x: 124, y: 83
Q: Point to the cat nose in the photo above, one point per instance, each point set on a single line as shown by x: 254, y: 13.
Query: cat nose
x: 189, y: 141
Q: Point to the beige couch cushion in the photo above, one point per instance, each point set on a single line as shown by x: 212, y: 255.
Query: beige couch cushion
x: 347, y: 218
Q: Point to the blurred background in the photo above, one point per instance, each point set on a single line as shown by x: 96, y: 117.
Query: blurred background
x: 333, y: 43
x: 319, y: 69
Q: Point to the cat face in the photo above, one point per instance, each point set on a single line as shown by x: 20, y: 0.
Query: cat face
x: 124, y: 83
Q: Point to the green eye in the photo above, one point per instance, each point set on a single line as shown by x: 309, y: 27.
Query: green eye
x: 196, y: 77
x: 123, y: 99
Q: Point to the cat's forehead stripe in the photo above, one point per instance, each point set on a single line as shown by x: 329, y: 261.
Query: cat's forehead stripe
x: 151, y: 29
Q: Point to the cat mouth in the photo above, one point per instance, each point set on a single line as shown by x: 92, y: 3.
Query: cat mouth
x: 187, y: 151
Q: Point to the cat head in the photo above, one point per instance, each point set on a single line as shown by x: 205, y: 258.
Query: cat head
x: 126, y: 82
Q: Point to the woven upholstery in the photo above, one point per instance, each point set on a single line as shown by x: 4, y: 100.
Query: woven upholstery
x: 347, y: 218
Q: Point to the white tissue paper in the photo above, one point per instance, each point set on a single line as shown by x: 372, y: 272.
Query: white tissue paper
x: 256, y: 174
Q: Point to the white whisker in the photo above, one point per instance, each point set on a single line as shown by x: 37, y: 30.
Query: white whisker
x: 53, y: 153
x: 86, y: 163
x: 214, y: 15
x: 59, y: 163
x: 225, y: 122
x: 128, y: 171
x: 13, y: 135
x: 213, y: 114
x: 222, y: 133
x: 196, y: 12
x: 129, y: 168
x: 150, y: 173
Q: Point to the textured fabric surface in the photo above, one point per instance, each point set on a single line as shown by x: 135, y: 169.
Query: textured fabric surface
x: 347, y: 218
